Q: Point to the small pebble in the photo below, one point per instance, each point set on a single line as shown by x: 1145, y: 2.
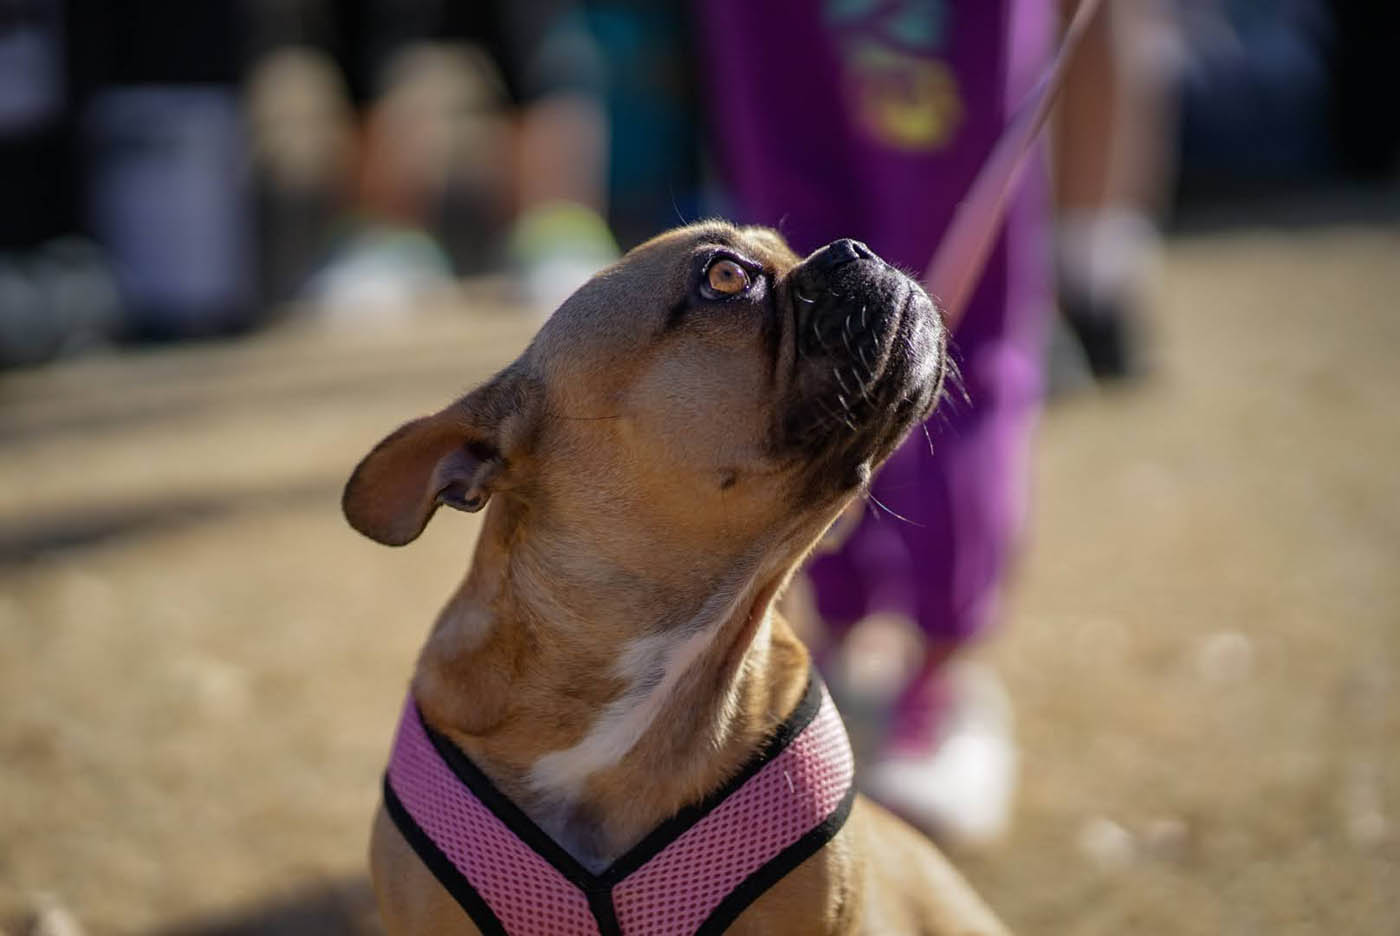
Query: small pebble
x: 1362, y: 815
x: 1166, y: 837
x: 220, y: 689
x: 1367, y: 829
x: 51, y: 918
x: 1225, y: 657
x: 1107, y: 844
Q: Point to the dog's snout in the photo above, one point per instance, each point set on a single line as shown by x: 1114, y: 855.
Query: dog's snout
x: 840, y: 251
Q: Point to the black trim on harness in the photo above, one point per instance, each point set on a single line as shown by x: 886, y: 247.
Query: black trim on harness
x: 442, y: 867
x: 667, y: 832
x: 657, y: 839
x: 521, y: 825
x: 600, y: 904
x: 597, y: 888
x: 753, y: 886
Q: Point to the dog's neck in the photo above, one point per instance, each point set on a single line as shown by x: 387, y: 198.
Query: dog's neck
x: 599, y: 700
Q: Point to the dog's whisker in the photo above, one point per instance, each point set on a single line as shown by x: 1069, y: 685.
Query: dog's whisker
x: 863, y: 382
x: 869, y: 368
x: 953, y: 378
x: 833, y: 415
x: 835, y: 372
x: 846, y: 405
x: 876, y: 501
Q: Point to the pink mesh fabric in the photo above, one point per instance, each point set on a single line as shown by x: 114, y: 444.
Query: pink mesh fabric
x: 672, y: 893
x: 677, y: 889
x: 524, y: 891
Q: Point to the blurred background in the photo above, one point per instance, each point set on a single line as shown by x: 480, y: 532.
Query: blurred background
x: 242, y: 239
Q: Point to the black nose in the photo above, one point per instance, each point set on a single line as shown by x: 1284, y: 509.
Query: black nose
x: 840, y: 251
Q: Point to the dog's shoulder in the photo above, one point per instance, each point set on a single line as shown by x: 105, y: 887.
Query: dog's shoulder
x: 909, y: 886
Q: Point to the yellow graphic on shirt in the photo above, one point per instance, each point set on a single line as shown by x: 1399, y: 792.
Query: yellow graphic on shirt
x: 903, y: 101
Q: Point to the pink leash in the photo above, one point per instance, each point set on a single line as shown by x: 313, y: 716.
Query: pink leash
x: 957, y: 264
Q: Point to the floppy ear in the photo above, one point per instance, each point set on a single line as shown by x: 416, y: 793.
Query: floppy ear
x: 453, y: 457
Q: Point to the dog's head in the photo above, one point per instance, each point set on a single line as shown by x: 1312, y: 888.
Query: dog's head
x: 707, y: 392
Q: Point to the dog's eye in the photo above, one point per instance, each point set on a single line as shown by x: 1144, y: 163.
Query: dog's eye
x: 726, y: 278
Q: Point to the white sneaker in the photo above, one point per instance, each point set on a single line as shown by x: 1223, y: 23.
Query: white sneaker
x: 958, y: 782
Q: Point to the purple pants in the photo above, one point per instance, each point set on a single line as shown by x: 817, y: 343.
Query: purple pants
x: 869, y: 119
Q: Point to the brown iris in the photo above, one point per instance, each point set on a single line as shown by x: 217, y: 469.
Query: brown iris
x: 727, y: 278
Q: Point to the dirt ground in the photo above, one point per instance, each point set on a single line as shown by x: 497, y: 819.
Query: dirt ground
x: 201, y: 663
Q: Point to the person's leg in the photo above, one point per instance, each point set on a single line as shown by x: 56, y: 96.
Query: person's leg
x: 949, y: 758
x: 555, y: 74
x: 949, y: 761
x: 1113, y: 162
x: 936, y: 541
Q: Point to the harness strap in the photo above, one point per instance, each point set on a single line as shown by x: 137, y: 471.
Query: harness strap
x: 693, y: 874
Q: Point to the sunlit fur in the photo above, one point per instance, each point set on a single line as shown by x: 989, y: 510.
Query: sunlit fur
x: 613, y: 652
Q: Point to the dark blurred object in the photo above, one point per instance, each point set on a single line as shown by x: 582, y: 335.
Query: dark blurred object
x: 653, y: 112
x: 537, y: 44
x: 57, y: 298
x: 169, y: 199
x: 55, y: 290
x: 165, y: 159
x: 35, y: 166
x: 302, y: 142
x: 155, y: 42
x: 1108, y: 335
x: 1286, y: 91
x: 119, y: 123
x: 1256, y: 90
x: 1365, y: 117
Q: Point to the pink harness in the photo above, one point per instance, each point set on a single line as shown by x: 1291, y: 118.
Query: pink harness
x: 693, y: 874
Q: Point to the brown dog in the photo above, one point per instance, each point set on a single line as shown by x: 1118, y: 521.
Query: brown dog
x: 657, y: 463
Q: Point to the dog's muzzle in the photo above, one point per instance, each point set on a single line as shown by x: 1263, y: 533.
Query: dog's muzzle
x: 868, y: 364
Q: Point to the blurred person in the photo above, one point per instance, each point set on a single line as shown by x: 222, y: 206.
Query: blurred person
x: 303, y: 143
x: 654, y: 173
x: 867, y: 119
x: 434, y: 151
x: 164, y: 170
x: 1258, y: 90
x: 57, y: 291
x: 1113, y: 162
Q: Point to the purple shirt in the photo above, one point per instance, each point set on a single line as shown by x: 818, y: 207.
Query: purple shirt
x: 863, y: 118
x: 870, y: 119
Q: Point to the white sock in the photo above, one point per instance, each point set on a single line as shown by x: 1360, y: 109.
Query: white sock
x: 1108, y: 255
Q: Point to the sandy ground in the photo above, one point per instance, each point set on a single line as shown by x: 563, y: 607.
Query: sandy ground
x: 201, y: 663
